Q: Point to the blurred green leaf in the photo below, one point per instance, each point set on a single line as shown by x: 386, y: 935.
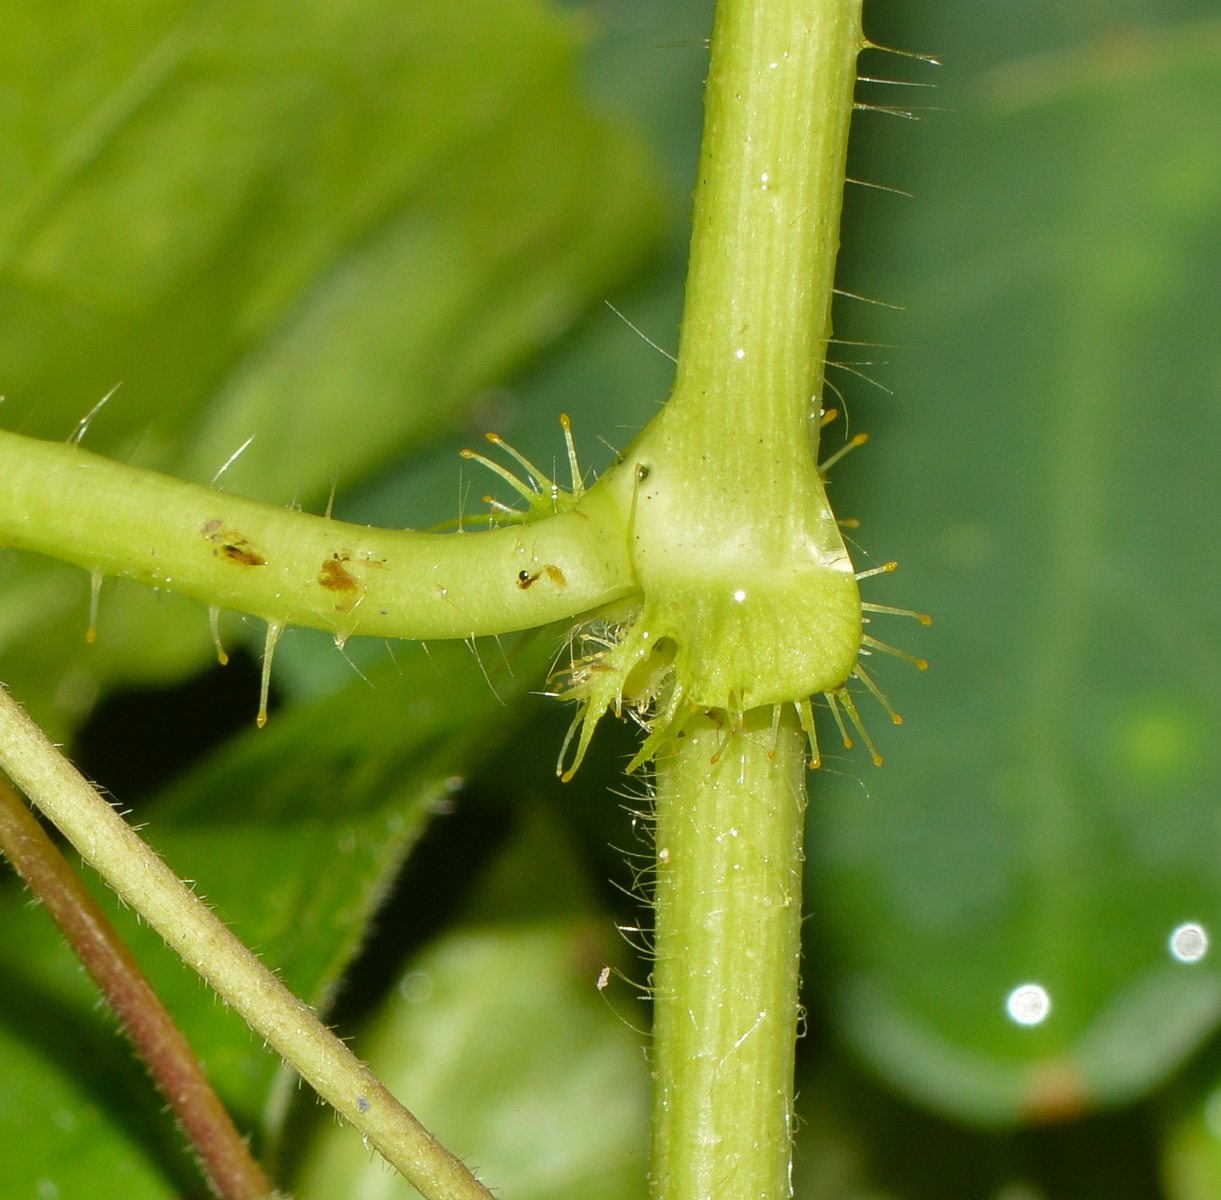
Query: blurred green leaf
x: 500, y: 1041
x: 295, y: 833
x: 325, y: 228
x: 858, y: 1141
x: 1047, y: 475
x: 1189, y: 1120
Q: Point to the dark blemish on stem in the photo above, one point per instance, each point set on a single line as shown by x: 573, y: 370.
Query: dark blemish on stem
x: 232, y: 545
x: 362, y: 1105
x: 335, y: 577
x: 525, y: 578
x: 240, y: 552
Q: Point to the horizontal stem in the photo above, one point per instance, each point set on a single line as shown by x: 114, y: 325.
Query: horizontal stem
x: 223, y: 1156
x: 143, y: 881
x: 293, y: 568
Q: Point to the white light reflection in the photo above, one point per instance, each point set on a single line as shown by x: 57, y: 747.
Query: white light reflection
x: 1189, y: 943
x: 1028, y: 1004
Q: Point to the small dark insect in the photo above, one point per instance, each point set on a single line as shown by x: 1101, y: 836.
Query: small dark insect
x: 525, y: 579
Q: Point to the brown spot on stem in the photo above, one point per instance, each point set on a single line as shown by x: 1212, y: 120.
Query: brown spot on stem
x: 525, y: 579
x: 335, y: 577
x: 232, y: 545
x: 555, y: 575
x: 239, y: 551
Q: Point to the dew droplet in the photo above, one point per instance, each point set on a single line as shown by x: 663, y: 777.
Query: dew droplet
x: 1028, y: 1004
x: 416, y: 986
x: 1189, y: 943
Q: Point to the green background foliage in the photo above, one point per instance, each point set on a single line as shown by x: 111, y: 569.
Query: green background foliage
x: 348, y: 233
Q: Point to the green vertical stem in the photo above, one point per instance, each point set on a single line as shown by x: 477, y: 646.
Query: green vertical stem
x: 729, y: 805
x: 728, y: 939
x: 766, y: 221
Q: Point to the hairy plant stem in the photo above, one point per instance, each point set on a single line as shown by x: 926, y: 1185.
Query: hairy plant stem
x: 754, y: 334
x: 223, y: 1156
x: 728, y: 939
x: 142, y: 880
x: 291, y: 568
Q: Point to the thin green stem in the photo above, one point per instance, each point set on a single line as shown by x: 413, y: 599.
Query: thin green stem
x: 142, y: 880
x: 224, y: 1157
x: 292, y: 568
x: 728, y: 937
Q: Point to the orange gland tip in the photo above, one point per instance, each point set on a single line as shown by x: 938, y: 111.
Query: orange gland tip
x: 507, y: 475
x: 536, y: 476
x: 859, y: 672
x: 839, y: 721
x: 775, y: 731
x: 923, y: 618
x: 845, y: 698
x: 578, y: 485
x: 274, y: 629
x: 882, y: 570
x: 214, y: 625
x: 828, y: 463
x: 805, y: 713
x: 874, y: 644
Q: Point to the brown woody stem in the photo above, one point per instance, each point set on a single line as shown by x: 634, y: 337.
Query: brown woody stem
x: 223, y: 1156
